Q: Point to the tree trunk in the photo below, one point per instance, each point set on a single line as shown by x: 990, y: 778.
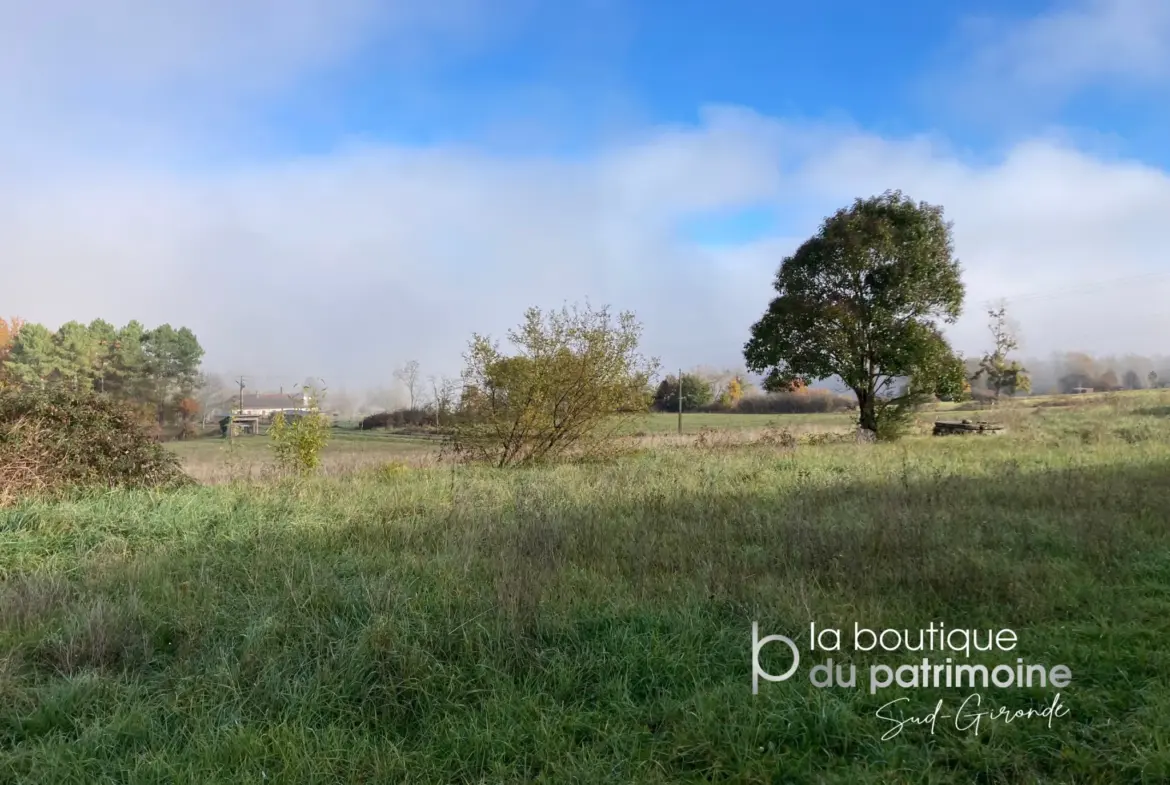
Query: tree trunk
x: 867, y: 410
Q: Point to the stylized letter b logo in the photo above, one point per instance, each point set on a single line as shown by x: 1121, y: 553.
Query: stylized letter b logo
x: 758, y: 672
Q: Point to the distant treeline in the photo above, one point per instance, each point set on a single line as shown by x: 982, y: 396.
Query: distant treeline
x: 1066, y: 371
x: 730, y: 392
x: 807, y: 401
x: 156, y: 370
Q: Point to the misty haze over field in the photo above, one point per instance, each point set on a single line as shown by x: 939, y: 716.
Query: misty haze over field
x: 229, y: 166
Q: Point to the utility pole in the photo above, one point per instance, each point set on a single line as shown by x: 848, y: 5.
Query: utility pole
x: 231, y: 418
x: 680, y: 390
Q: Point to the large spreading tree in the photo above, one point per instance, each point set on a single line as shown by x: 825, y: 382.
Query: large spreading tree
x: 864, y: 300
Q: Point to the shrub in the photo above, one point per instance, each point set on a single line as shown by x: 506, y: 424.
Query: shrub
x: 392, y: 470
x: 53, y: 439
x: 575, y: 373
x: 895, y: 420
x: 298, y: 440
x: 804, y: 402
x: 373, y: 421
x: 400, y: 418
x: 779, y: 437
x: 697, y: 393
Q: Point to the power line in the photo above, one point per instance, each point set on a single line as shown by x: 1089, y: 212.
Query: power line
x: 1083, y: 288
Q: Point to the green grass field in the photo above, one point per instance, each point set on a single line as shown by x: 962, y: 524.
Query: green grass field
x: 211, y: 459
x: 693, y: 423
x: 592, y: 623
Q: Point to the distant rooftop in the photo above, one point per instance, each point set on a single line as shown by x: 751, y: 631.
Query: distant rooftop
x: 266, y: 401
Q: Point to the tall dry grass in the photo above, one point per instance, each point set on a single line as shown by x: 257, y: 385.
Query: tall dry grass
x: 590, y: 622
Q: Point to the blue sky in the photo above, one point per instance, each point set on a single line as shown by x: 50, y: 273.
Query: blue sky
x: 451, y: 163
x: 582, y: 70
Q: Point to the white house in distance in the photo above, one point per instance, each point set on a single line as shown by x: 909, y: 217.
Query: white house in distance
x: 264, y: 404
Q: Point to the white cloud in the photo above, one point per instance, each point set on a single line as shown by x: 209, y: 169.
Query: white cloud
x: 146, y: 79
x: 349, y: 263
x: 374, y: 255
x: 1022, y: 65
x: 70, y: 47
x: 1046, y: 219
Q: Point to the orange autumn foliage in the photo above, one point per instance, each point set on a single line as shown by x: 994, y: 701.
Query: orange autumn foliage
x: 734, y: 391
x: 8, y: 332
x: 188, y: 408
x: 797, y: 385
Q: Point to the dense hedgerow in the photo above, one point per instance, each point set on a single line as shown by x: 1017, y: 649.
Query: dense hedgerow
x: 54, y: 439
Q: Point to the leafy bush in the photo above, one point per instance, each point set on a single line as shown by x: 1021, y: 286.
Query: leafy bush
x: 896, y: 419
x: 298, y: 440
x: 400, y: 418
x: 804, y: 402
x: 575, y: 373
x: 697, y: 393
x: 53, y: 439
x: 937, y: 373
x: 373, y: 421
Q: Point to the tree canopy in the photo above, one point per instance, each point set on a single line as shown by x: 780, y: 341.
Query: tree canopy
x: 697, y: 392
x: 864, y: 300
x: 156, y: 367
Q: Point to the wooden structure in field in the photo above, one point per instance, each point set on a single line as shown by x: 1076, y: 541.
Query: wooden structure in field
x: 239, y: 424
x: 964, y: 427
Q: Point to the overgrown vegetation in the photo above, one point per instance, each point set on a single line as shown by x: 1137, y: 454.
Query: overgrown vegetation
x: 56, y: 439
x: 299, y: 439
x: 697, y: 393
x: 401, y: 418
x: 591, y: 623
x: 806, y: 401
x: 575, y: 373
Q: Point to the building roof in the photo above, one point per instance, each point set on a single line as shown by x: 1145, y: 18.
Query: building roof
x: 266, y: 401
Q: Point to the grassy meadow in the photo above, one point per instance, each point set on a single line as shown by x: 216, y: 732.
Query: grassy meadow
x: 211, y: 459
x: 693, y: 423
x: 397, y: 621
